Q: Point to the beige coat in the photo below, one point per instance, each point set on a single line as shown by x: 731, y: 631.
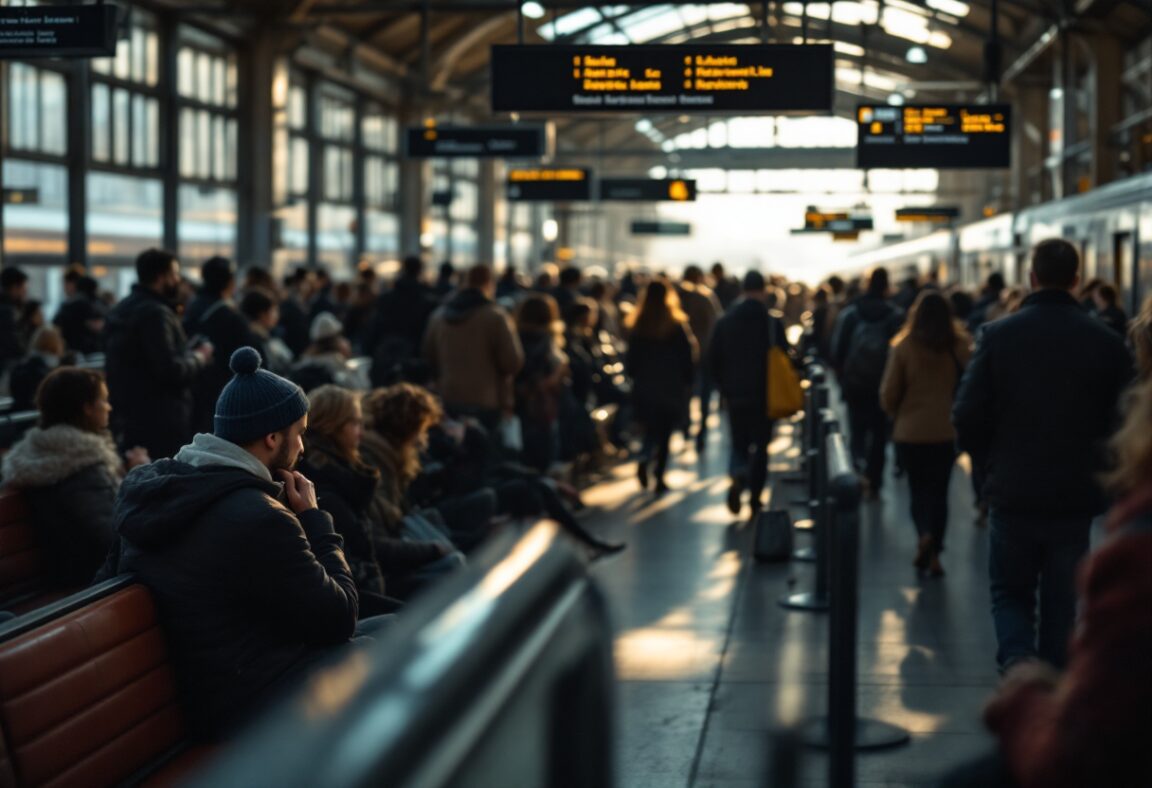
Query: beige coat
x: 918, y: 387
x: 474, y: 360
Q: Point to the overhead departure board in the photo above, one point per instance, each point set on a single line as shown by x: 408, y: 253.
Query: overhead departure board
x: 943, y: 136
x: 658, y: 227
x: 537, y: 184
x: 682, y: 78
x: 58, y: 31
x: 648, y: 189
x: 935, y: 213
x: 836, y: 222
x: 519, y: 141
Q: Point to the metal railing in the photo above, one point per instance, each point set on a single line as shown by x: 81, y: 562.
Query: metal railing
x: 502, y: 675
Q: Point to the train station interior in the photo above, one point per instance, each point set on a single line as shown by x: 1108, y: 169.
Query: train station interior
x: 604, y: 596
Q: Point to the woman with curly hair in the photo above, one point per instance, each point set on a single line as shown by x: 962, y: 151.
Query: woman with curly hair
x: 411, y: 548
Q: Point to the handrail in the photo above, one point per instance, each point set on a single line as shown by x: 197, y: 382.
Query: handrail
x: 503, y: 673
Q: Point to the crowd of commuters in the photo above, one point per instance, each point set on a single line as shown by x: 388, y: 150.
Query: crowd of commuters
x: 230, y: 437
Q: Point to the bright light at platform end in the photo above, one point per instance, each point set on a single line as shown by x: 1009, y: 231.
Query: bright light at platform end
x: 550, y: 230
x: 916, y: 55
x: 896, y: 100
x: 532, y: 10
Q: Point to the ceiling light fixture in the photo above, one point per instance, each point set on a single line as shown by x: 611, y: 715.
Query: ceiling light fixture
x: 916, y: 55
x: 532, y: 10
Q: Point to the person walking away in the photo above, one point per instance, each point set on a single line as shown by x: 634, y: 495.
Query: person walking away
x: 1034, y: 408
x: 150, y: 368
x: 214, y: 316
x: 738, y: 362
x: 927, y: 359
x: 703, y: 310
x: 473, y: 351
x: 661, y: 360
x: 397, y: 332
x: 860, y: 343
x: 250, y: 579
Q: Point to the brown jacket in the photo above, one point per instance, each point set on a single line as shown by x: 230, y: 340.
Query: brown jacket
x: 918, y: 387
x: 702, y: 308
x: 474, y: 352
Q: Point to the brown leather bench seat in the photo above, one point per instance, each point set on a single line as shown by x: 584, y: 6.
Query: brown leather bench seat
x: 87, y: 694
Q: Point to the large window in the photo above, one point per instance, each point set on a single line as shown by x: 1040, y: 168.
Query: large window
x: 125, y: 100
x: 206, y: 80
x: 378, y: 137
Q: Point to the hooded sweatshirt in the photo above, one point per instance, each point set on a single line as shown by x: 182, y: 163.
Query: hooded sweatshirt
x: 249, y: 593
x: 69, y: 477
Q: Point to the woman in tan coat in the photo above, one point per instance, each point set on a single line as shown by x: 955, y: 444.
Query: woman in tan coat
x: 927, y: 359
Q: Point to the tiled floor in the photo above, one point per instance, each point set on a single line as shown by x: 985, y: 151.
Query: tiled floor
x: 708, y: 663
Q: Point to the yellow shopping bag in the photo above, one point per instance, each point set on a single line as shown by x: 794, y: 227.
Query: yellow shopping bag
x: 785, y: 396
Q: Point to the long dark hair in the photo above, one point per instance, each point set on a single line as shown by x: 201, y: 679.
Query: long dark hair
x: 930, y: 323
x: 658, y: 313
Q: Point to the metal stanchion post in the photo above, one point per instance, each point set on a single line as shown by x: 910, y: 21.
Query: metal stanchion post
x: 841, y: 731
x: 817, y: 600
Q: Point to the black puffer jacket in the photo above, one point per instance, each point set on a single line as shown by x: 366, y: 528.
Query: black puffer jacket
x: 69, y: 477
x: 738, y: 354
x: 250, y: 594
x: 150, y: 374
x: 1037, y: 403
x: 347, y: 493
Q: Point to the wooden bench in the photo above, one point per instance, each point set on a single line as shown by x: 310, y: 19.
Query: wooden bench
x: 88, y: 697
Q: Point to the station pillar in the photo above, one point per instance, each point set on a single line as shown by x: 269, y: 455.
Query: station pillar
x: 486, y: 212
x: 414, y: 192
x: 260, y: 111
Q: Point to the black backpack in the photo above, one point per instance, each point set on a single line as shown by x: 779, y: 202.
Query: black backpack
x: 867, y: 355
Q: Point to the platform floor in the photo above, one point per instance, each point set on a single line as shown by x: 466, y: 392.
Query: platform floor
x: 708, y: 662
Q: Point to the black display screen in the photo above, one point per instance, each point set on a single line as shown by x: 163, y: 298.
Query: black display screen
x: 58, y: 31
x: 527, y: 141
x: 941, y: 136
x: 545, y: 185
x: 654, y: 227
x: 648, y: 189
x: 682, y: 78
x: 935, y: 213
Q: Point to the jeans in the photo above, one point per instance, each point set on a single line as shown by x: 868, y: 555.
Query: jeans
x: 658, y: 428
x: 1029, y: 554
x: 704, y: 387
x: 751, y: 434
x: 868, y: 437
x: 929, y: 467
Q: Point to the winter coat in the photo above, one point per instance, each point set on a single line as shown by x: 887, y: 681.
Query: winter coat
x: 538, y: 386
x: 872, y: 309
x: 70, y: 477
x: 1037, y: 403
x: 662, y: 370
x: 11, y: 342
x: 346, y: 492
x: 738, y: 353
x: 702, y: 308
x: 918, y: 387
x: 221, y: 323
x: 250, y: 594
x: 1094, y: 725
x: 150, y: 374
x: 1115, y: 319
x: 295, y: 324
x: 474, y: 352
x: 396, y: 554
x: 402, y: 315
x: 73, y: 318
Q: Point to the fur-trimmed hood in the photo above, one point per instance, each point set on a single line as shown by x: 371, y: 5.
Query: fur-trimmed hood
x: 47, y: 456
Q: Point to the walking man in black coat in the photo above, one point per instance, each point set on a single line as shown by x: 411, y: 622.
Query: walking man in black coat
x: 738, y: 362
x: 150, y: 369
x: 1034, y: 409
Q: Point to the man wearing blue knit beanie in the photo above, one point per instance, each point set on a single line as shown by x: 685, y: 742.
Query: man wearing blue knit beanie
x: 248, y: 574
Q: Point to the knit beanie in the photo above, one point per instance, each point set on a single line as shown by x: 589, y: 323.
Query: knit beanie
x: 256, y: 402
x: 325, y: 326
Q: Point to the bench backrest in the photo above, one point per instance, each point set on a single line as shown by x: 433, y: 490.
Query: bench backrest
x: 21, y: 566
x: 87, y: 694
